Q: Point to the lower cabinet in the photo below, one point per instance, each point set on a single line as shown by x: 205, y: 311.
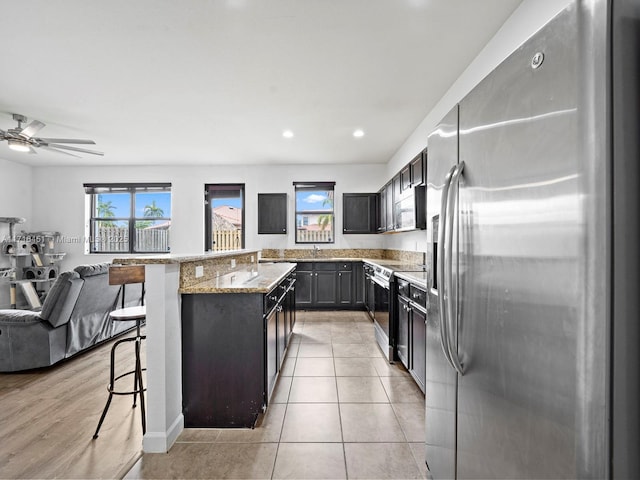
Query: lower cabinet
x: 233, y: 347
x: 272, y: 350
x: 418, y: 346
x: 404, y: 329
x: 411, y: 339
x: 304, y: 285
x: 325, y: 285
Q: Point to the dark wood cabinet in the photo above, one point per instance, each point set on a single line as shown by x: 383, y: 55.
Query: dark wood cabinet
x: 323, y: 285
x: 404, y: 324
x: 411, y: 340
x: 359, y: 213
x: 272, y: 213
x: 405, y: 179
x: 304, y: 285
x: 389, y: 207
x: 233, y: 346
x: 418, y: 346
x: 359, y: 285
x: 399, y: 198
x: 345, y: 284
x: 271, y: 350
x: 382, y: 210
x: 417, y: 167
x: 325, y: 288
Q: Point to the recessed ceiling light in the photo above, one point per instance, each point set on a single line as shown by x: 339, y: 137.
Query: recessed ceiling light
x: 287, y: 134
x: 358, y: 133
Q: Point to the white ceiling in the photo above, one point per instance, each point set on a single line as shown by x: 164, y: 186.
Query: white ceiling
x: 217, y: 81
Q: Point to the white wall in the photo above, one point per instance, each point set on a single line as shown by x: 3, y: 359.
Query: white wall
x: 16, y: 200
x: 61, y: 205
x: 59, y: 198
x: 527, y: 19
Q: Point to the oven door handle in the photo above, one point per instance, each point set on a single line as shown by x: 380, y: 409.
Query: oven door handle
x: 375, y: 280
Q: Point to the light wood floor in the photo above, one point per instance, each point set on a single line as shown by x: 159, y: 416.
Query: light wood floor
x: 48, y: 417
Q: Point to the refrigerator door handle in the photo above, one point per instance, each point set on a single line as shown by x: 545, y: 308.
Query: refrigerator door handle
x: 441, y: 262
x: 452, y: 311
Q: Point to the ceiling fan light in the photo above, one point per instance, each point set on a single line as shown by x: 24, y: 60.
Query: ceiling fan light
x: 18, y: 145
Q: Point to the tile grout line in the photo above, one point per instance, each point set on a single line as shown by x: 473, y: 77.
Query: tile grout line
x: 344, y: 453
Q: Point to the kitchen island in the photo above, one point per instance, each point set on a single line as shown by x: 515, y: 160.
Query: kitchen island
x: 168, y: 277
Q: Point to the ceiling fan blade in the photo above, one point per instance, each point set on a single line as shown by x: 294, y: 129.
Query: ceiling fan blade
x: 75, y: 149
x: 65, y: 140
x: 58, y: 151
x: 31, y: 129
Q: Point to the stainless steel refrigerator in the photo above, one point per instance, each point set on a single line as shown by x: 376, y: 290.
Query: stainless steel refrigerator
x: 533, y: 211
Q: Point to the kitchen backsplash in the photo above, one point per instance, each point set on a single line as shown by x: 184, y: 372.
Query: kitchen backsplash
x: 373, y: 253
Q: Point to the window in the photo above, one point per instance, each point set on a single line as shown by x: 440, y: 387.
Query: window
x: 129, y: 218
x: 224, y: 217
x: 314, y: 212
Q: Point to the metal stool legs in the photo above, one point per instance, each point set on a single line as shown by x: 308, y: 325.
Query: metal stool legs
x: 138, y: 386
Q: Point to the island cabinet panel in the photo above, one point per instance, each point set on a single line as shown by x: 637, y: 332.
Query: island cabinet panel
x: 223, y: 359
x: 233, y: 347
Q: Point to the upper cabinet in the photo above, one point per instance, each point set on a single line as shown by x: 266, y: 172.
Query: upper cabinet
x: 272, y: 213
x: 359, y: 213
x: 405, y: 179
x: 417, y: 169
x: 402, y: 202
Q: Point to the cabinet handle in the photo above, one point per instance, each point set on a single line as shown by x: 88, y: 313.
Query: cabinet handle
x: 339, y: 274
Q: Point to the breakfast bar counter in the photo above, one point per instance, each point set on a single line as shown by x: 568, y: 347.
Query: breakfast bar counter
x: 166, y: 277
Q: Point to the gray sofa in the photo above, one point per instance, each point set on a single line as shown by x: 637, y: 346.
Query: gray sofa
x: 74, y: 317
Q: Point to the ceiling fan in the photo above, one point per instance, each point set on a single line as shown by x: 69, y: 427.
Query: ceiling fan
x: 22, y: 139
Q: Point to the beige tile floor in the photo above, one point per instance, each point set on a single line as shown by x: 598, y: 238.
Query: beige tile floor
x: 339, y: 410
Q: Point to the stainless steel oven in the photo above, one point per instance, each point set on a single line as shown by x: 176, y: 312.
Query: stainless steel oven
x: 369, y: 290
x: 382, y: 319
x: 378, y: 303
x: 380, y: 300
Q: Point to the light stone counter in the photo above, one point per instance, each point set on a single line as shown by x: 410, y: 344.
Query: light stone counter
x: 181, y: 258
x: 261, y: 278
x: 417, y: 278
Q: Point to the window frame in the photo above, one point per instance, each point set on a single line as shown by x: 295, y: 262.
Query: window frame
x: 208, y: 228
x: 315, y: 186
x: 95, y: 189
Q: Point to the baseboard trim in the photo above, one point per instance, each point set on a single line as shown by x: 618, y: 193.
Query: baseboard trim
x: 157, y: 442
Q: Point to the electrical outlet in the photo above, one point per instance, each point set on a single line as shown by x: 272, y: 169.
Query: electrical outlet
x: 199, y: 271
x: 251, y: 258
x: 233, y: 263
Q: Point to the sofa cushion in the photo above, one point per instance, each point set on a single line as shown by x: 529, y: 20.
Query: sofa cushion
x: 91, y: 270
x: 57, y: 296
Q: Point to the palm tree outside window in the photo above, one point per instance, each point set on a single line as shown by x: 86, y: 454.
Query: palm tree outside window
x: 314, y: 212
x: 129, y: 218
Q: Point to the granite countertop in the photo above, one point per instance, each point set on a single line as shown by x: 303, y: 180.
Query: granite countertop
x: 260, y: 278
x: 419, y: 279
x: 178, y: 258
x: 311, y: 259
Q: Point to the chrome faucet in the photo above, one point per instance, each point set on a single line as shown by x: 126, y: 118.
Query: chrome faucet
x: 315, y: 251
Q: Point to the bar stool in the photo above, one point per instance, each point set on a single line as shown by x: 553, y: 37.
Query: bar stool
x: 124, y: 275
